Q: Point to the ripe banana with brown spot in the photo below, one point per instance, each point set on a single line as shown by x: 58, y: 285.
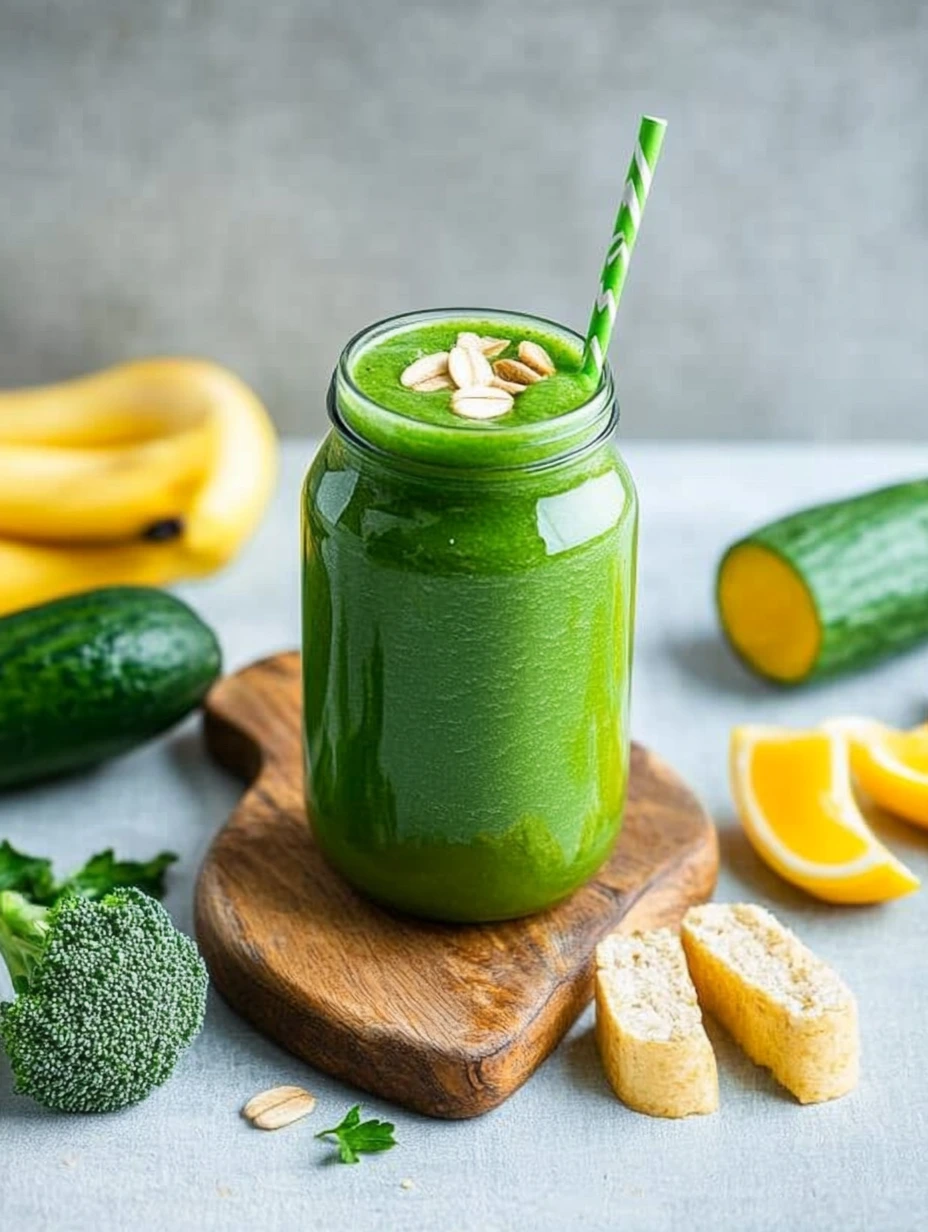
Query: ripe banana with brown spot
x: 160, y: 470
x: 102, y: 494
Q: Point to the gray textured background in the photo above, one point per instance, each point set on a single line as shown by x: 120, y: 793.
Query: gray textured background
x: 255, y: 181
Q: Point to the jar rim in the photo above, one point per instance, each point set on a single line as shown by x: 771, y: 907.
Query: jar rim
x: 368, y: 423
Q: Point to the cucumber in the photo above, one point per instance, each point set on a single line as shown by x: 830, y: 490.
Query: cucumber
x: 88, y: 677
x: 830, y: 588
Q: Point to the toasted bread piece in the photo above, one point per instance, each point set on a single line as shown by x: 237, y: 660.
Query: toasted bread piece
x: 655, y: 1051
x: 785, y: 1007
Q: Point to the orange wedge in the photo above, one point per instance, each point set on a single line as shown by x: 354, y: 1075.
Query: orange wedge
x: 890, y: 766
x: 793, y: 792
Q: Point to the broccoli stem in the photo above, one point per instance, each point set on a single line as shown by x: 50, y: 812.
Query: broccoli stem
x: 23, y: 933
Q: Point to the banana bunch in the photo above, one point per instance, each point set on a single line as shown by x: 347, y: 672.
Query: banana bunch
x: 143, y: 474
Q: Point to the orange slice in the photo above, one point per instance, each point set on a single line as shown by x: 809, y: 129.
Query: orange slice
x: 793, y: 792
x: 890, y: 766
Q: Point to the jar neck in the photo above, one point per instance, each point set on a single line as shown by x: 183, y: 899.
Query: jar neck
x: 408, y: 443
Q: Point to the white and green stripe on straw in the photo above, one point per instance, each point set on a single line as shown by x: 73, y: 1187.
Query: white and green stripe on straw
x: 624, y: 234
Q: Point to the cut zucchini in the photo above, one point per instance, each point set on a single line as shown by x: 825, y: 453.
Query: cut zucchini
x: 830, y: 588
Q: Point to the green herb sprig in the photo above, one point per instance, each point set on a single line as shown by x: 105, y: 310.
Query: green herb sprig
x: 32, y: 876
x: 356, y: 1137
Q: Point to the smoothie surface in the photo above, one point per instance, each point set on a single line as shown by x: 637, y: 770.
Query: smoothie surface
x: 377, y: 369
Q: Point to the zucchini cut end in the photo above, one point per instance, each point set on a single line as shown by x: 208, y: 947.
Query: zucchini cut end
x: 768, y: 613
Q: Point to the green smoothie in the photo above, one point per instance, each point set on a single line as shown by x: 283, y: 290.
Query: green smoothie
x: 468, y: 608
x: 377, y: 371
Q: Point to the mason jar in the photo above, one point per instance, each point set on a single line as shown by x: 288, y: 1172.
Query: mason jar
x: 468, y: 615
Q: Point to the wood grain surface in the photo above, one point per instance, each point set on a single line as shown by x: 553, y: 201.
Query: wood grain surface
x: 446, y: 1019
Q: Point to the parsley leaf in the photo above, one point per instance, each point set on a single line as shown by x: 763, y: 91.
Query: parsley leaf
x: 356, y: 1137
x: 32, y: 876
x: 29, y: 875
x: 103, y: 872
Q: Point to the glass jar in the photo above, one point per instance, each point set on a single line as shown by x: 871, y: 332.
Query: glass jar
x: 468, y: 611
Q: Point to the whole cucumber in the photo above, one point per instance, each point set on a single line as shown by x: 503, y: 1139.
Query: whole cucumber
x: 94, y: 675
x: 830, y: 588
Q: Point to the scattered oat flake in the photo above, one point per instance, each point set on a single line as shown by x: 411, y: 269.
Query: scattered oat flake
x: 511, y: 387
x: 481, y: 402
x: 407, y: 1184
x: 278, y: 1107
x: 424, y: 368
x: 469, y: 367
x: 432, y: 383
x: 492, y: 347
x: 537, y: 358
x: 267, y: 1099
x: 515, y: 370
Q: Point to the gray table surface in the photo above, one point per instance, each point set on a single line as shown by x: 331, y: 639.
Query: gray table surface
x: 562, y: 1153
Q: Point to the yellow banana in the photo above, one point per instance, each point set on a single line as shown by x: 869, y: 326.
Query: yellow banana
x: 229, y: 505
x: 47, y: 492
x: 218, y: 514
x: 32, y: 573
x: 137, y: 401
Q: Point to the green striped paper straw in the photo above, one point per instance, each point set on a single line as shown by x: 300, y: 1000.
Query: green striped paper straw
x: 618, y: 255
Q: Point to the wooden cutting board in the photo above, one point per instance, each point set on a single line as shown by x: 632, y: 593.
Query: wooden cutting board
x: 446, y: 1019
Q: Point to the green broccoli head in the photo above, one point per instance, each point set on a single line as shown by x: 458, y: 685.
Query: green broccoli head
x: 109, y: 995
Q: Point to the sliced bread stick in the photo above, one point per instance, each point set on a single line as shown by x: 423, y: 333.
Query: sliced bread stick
x: 785, y: 1007
x: 655, y: 1051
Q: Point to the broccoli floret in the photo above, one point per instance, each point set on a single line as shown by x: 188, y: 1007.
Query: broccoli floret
x: 109, y: 994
